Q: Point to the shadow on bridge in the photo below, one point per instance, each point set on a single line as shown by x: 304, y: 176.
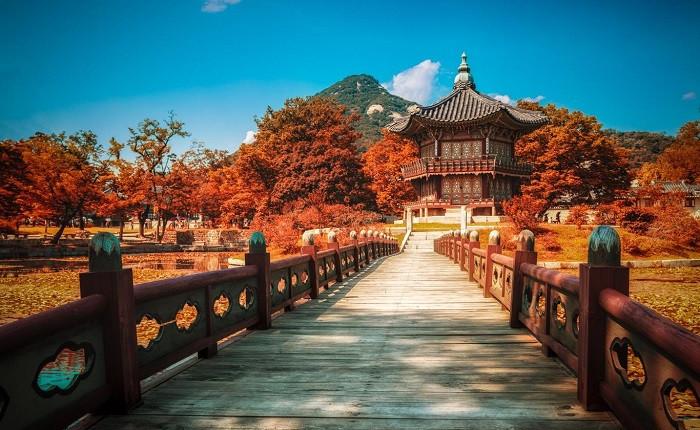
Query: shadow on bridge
x: 407, y: 343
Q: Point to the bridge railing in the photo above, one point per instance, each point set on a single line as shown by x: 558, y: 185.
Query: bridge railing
x: 626, y: 357
x: 92, y: 354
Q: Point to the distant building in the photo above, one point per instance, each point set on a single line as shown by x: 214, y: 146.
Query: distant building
x: 467, y: 155
x: 686, y: 194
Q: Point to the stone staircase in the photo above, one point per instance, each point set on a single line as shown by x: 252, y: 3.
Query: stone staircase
x: 422, y: 241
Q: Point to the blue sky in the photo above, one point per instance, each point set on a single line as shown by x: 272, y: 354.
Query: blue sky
x: 105, y: 65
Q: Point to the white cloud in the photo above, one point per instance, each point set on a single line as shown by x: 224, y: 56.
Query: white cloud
x: 249, y: 136
x: 690, y: 95
x: 215, y: 6
x: 503, y: 98
x: 533, y: 99
x: 416, y: 83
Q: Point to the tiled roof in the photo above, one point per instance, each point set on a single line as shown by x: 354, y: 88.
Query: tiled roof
x: 671, y: 187
x: 465, y: 105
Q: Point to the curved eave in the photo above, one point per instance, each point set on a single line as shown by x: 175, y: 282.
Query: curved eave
x: 414, y: 123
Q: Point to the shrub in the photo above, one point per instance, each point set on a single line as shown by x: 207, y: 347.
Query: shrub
x: 578, y: 216
x: 524, y: 211
x: 610, y: 213
x: 548, y: 242
x: 638, y: 245
x: 674, y: 223
x: 637, y: 220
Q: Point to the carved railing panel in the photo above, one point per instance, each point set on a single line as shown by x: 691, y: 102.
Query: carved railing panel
x: 59, y: 371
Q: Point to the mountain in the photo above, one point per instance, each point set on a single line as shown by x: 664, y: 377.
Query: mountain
x: 644, y: 146
x: 363, y: 94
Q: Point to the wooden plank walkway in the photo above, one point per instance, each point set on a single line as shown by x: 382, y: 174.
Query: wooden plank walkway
x: 409, y: 343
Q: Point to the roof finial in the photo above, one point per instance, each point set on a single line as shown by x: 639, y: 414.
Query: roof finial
x: 464, y: 78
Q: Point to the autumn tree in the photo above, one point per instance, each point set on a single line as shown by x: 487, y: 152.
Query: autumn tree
x: 524, y: 211
x: 679, y: 162
x: 151, y: 142
x: 308, y: 143
x: 382, y: 164
x: 248, y: 185
x: 65, y: 175
x: 573, y: 160
x: 124, y: 191
x: 13, y: 179
x: 207, y: 168
x: 578, y: 215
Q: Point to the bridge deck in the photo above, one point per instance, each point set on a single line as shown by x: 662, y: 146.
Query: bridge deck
x: 409, y: 343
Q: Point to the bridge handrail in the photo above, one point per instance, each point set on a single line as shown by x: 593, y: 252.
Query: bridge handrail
x: 563, y: 281
x: 119, y: 333
x: 32, y: 348
x: 169, y: 287
x: 589, y: 322
x: 668, y: 360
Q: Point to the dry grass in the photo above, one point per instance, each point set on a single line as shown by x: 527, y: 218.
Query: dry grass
x: 567, y: 243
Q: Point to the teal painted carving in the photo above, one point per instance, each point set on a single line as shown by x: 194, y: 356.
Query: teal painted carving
x: 104, y: 253
x: 604, y: 247
x: 257, y: 243
x: 526, y: 241
x: 62, y: 372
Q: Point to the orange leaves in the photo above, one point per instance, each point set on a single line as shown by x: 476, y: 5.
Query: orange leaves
x: 524, y: 211
x: 382, y: 164
x: 679, y: 162
x: 572, y: 159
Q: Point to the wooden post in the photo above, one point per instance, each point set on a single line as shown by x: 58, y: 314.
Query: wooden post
x: 308, y: 248
x: 333, y: 244
x: 257, y: 255
x: 355, y: 250
x: 602, y: 271
x: 363, y: 244
x: 493, y: 247
x: 457, y: 240
x: 464, y: 254
x: 473, y: 243
x: 525, y: 253
x: 107, y: 278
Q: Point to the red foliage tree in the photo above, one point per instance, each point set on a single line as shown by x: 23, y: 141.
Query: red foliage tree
x: 65, y: 177
x: 578, y: 215
x: 382, y: 164
x: 679, y: 162
x: 308, y: 144
x: 573, y: 160
x: 13, y: 177
x: 524, y: 211
x: 124, y: 191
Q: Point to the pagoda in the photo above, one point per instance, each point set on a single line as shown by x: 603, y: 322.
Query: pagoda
x: 466, y: 147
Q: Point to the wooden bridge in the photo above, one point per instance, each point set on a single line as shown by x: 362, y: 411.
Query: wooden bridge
x: 407, y: 340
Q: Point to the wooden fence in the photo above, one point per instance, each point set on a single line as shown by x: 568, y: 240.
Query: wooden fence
x: 626, y: 357
x: 92, y: 354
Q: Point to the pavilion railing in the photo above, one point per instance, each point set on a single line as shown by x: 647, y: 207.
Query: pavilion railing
x: 92, y: 354
x: 485, y: 163
x: 626, y: 357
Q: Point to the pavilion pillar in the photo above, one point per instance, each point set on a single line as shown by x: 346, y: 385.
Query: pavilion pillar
x: 462, y: 218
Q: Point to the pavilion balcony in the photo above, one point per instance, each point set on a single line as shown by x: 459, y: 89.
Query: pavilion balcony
x: 430, y: 166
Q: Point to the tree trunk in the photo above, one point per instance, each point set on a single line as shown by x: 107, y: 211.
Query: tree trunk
x: 143, y: 215
x: 81, y: 221
x: 121, y: 229
x: 157, y: 233
x: 59, y: 233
